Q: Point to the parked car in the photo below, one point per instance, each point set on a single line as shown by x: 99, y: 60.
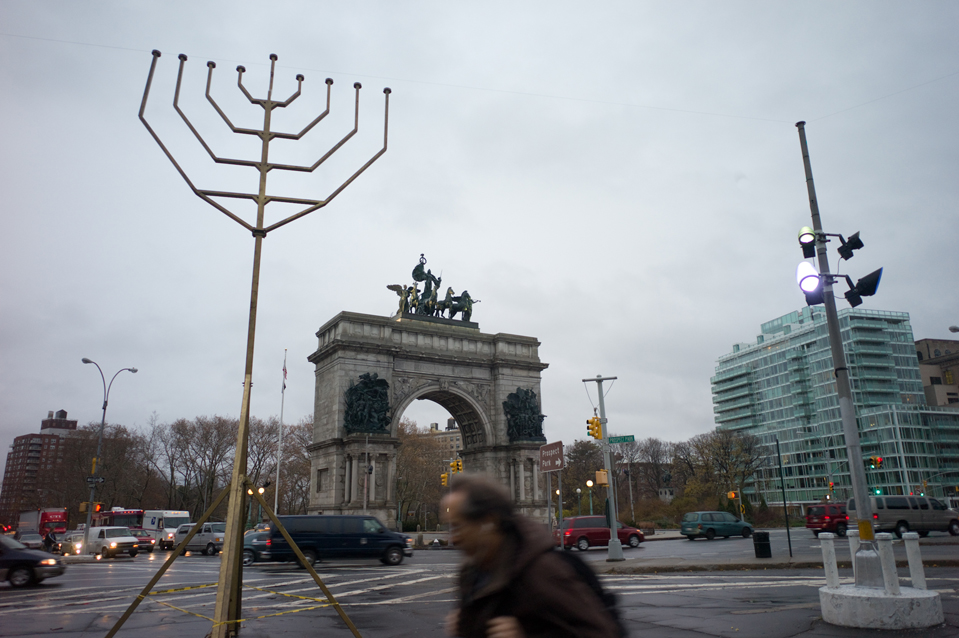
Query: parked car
x: 145, y: 540
x: 209, y: 539
x: 23, y: 566
x: 583, y: 532
x: 108, y: 542
x: 827, y: 517
x: 901, y: 514
x: 336, y: 536
x: 31, y: 540
x: 256, y: 547
x: 709, y: 525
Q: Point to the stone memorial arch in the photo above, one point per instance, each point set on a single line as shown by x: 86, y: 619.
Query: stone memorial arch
x: 369, y: 369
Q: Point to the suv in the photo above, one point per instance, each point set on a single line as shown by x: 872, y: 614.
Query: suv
x: 709, y: 525
x: 827, y: 517
x: 107, y: 542
x: 582, y: 532
x: 334, y: 536
x: 209, y: 540
x: 901, y: 514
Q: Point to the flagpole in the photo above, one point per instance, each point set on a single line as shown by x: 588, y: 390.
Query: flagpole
x: 279, y: 446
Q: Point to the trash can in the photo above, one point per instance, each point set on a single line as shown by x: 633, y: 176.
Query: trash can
x: 761, y: 545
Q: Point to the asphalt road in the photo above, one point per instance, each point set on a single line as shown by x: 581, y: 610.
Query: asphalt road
x: 413, y: 598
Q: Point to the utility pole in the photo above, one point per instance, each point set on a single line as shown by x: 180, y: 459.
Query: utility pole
x: 615, y: 548
x: 868, y: 567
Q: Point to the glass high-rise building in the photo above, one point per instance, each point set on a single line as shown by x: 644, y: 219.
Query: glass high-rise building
x: 783, y: 387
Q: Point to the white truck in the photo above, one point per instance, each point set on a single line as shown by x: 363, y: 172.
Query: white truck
x: 162, y: 525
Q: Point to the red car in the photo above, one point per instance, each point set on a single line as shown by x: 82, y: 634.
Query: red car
x: 583, y: 532
x: 827, y: 517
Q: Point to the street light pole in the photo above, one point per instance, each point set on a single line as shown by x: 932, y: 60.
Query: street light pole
x: 579, y: 499
x: 868, y: 567
x: 93, y: 480
x: 589, y: 484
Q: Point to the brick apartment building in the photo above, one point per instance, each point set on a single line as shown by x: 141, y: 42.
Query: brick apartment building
x: 31, y: 466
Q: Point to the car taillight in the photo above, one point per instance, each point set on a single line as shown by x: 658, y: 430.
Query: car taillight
x: 826, y: 517
x: 268, y: 542
x: 875, y: 517
x: 566, y: 533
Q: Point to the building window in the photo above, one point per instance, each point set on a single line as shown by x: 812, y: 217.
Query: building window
x: 936, y: 352
x: 935, y: 380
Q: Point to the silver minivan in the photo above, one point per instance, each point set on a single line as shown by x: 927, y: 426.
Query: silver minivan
x: 901, y: 514
x: 209, y: 540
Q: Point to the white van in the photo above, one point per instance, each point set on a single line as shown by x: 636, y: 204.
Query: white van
x: 901, y: 514
x: 209, y: 540
x: 162, y: 525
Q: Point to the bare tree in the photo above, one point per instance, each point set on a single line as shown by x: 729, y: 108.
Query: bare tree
x: 420, y: 460
x: 736, y: 457
x: 295, y: 469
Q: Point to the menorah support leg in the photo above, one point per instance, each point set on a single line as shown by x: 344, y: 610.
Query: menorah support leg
x: 227, y: 610
x: 166, y: 565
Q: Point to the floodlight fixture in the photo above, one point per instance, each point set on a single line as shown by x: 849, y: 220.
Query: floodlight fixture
x: 849, y: 245
x: 953, y: 328
x: 865, y: 287
x: 807, y: 277
x: 807, y: 239
x: 810, y: 283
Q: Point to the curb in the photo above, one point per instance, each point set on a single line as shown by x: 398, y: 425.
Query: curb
x: 717, y: 567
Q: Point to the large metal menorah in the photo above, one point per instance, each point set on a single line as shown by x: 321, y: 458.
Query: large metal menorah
x: 227, y: 613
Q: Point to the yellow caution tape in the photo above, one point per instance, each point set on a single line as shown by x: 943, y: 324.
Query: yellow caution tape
x: 170, y: 591
x: 279, y: 593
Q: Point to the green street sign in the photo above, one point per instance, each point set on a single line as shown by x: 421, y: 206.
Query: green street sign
x: 622, y: 439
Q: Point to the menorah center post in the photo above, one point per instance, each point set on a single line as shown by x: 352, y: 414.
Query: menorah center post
x: 231, y: 566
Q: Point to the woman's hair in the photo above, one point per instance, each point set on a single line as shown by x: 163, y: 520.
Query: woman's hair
x: 483, y: 498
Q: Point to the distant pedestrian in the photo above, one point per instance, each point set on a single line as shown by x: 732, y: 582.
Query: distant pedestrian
x: 512, y: 583
x: 49, y: 541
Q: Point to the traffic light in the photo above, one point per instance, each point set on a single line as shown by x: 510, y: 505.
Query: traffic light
x: 879, y: 462
x: 452, y: 467
x: 594, y: 427
x: 97, y: 507
x: 445, y: 478
x: 731, y: 495
x: 872, y: 462
x: 832, y: 487
x: 459, y: 466
x: 83, y: 507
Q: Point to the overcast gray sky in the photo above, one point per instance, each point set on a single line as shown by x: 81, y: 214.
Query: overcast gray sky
x: 621, y: 180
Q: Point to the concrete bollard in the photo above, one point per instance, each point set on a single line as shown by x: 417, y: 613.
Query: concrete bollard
x: 916, y: 571
x: 829, y: 560
x: 890, y: 577
x: 853, y: 536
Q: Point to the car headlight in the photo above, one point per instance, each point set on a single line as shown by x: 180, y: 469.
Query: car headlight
x: 169, y: 535
x: 49, y: 561
x: 113, y: 544
x: 153, y: 541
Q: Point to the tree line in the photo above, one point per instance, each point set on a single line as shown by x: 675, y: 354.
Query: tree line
x: 183, y: 465
x: 657, y: 481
